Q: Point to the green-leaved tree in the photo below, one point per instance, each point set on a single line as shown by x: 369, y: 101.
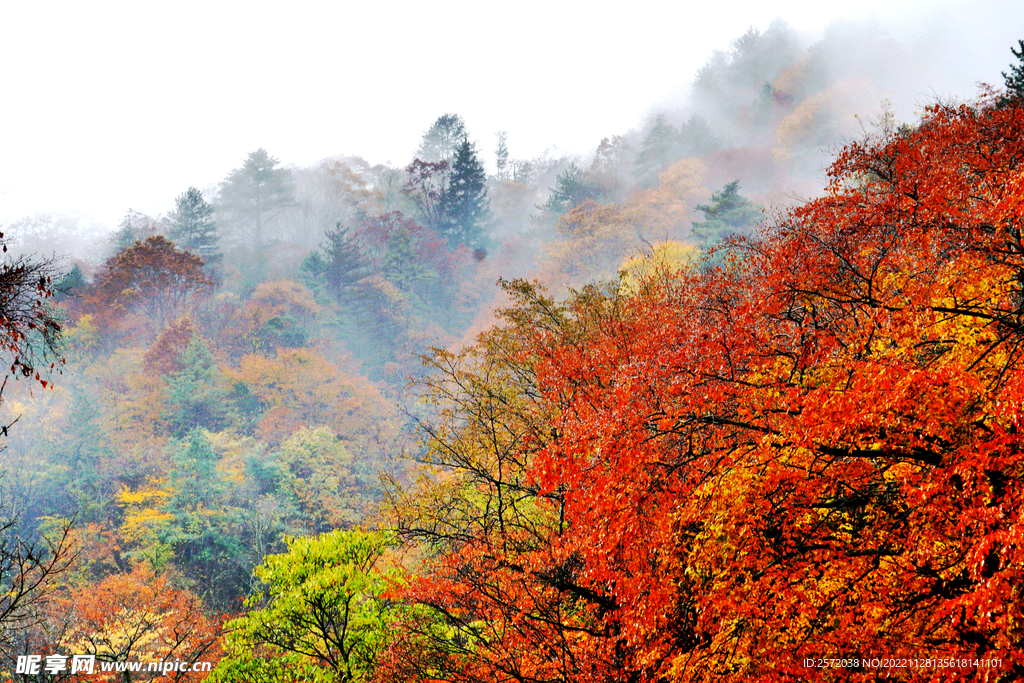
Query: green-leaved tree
x: 196, y: 395
x: 321, y: 615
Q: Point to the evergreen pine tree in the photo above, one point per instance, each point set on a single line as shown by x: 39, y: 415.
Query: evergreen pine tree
x: 192, y: 226
x: 195, y: 395
x: 728, y: 213
x: 572, y: 187
x: 72, y: 280
x: 697, y: 139
x: 442, y: 140
x: 661, y: 146
x: 194, y: 471
x: 339, y: 267
x: 1014, y: 80
x: 251, y: 198
x: 467, y: 209
x: 134, y: 227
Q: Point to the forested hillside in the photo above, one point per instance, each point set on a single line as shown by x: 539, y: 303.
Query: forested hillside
x: 637, y: 416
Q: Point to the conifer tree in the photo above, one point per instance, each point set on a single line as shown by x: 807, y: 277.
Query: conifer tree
x: 728, y: 213
x: 192, y: 226
x: 467, y: 209
x: 1014, y: 80
x: 501, y: 160
x: 252, y: 197
x: 442, y: 140
x: 659, y: 148
x: 696, y: 138
x: 339, y: 266
x: 195, y: 471
x: 195, y: 395
x: 572, y: 187
x: 72, y: 280
x: 134, y: 227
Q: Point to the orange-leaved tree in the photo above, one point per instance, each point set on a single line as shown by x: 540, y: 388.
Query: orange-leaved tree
x: 153, y: 279
x: 138, y: 617
x: 812, y: 450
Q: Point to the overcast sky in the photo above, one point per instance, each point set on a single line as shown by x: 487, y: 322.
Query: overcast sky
x: 115, y: 105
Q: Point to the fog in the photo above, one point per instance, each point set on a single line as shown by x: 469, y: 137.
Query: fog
x: 277, y: 238
x: 114, y: 106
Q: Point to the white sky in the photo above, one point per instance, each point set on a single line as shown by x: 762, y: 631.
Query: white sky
x: 114, y: 105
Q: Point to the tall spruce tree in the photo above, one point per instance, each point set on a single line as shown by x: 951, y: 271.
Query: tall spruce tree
x: 467, y: 208
x: 192, y: 226
x: 73, y: 280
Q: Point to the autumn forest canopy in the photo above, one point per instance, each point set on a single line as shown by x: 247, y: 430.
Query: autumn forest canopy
x: 637, y: 417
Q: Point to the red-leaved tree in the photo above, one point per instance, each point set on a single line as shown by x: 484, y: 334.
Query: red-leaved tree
x: 811, y: 451
x: 153, y: 280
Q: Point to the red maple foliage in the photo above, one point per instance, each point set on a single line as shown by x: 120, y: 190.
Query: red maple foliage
x: 811, y: 452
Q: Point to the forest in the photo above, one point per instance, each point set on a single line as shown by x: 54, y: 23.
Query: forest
x: 636, y: 417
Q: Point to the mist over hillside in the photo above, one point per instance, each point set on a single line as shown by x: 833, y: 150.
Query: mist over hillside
x: 489, y: 406
x: 772, y: 106
x: 149, y: 102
